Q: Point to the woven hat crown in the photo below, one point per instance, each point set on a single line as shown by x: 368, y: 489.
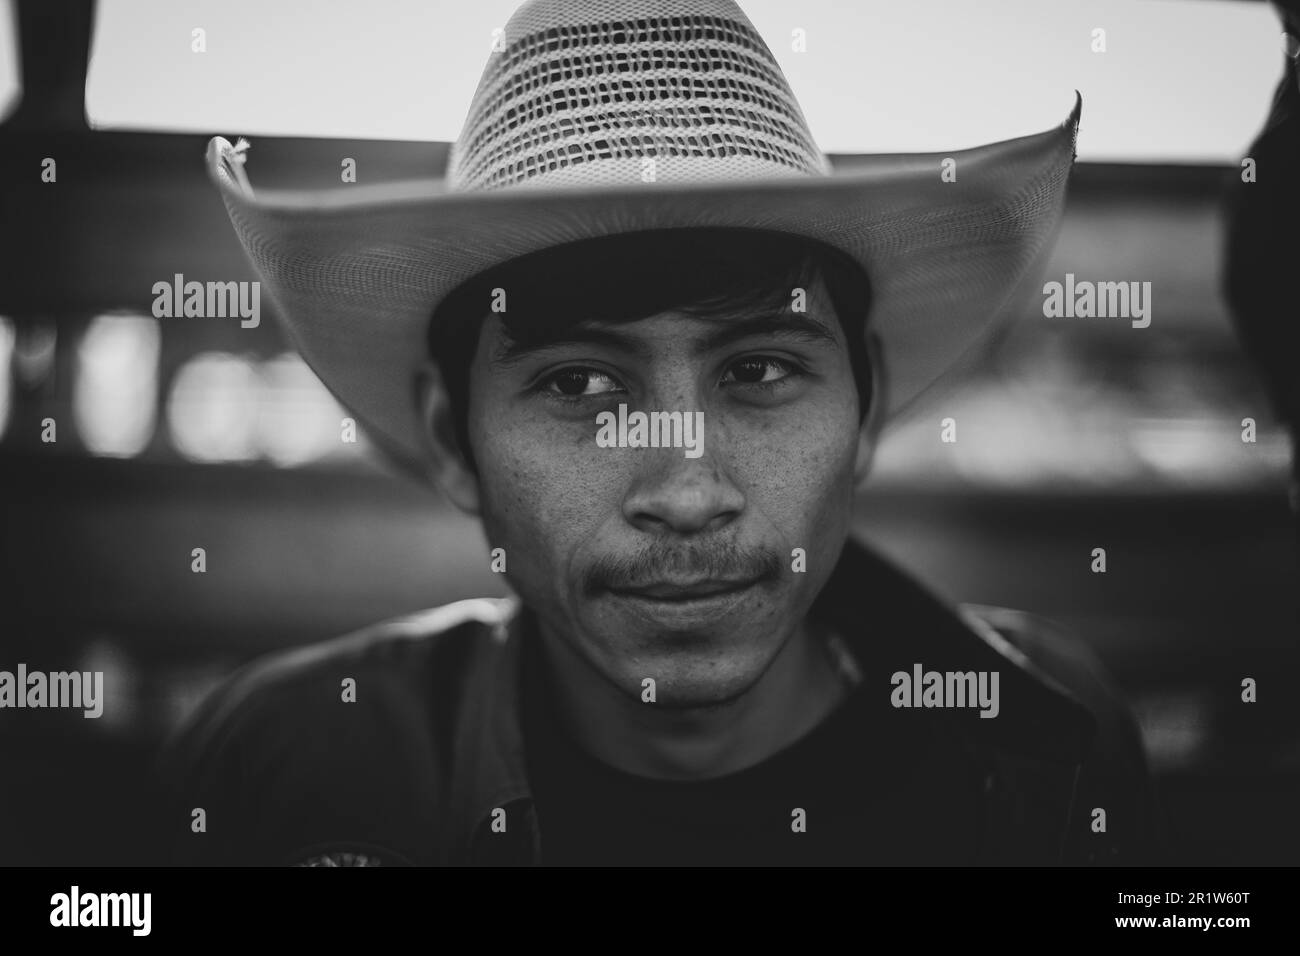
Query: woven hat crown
x: 585, y: 92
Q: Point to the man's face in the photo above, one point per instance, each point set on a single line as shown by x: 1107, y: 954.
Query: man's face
x: 649, y: 562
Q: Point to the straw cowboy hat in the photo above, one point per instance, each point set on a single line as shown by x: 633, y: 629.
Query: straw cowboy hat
x: 555, y: 149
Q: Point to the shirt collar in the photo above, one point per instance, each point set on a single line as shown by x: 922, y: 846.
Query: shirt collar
x: 892, y: 623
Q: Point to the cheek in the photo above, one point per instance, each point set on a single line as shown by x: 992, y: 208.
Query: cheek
x: 544, y: 486
x: 798, y: 473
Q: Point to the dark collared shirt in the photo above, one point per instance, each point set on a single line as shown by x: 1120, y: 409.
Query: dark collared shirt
x: 427, y: 765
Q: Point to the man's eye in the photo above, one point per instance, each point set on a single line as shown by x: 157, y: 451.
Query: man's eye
x: 578, y: 383
x: 760, y: 370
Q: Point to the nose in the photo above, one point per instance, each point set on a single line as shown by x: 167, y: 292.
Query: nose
x: 673, y: 493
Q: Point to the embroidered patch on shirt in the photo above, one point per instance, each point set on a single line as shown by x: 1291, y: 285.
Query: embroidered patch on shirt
x: 347, y: 856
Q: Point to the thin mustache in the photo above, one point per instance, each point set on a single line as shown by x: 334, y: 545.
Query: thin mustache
x: 659, y: 563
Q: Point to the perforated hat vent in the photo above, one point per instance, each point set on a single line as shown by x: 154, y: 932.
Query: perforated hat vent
x: 584, y: 103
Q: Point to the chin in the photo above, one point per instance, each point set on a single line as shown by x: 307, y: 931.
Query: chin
x: 683, y: 685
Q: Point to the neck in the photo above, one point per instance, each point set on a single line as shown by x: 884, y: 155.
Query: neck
x: 798, y: 690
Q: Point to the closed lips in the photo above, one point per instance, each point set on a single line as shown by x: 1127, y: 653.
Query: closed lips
x: 668, y: 591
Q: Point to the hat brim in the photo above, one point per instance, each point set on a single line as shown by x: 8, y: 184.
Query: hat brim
x: 355, y: 274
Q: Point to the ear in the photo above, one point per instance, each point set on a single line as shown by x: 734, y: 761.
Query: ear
x: 869, y: 433
x: 447, y: 465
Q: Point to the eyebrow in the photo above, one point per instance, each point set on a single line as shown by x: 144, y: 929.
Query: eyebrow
x: 787, y: 326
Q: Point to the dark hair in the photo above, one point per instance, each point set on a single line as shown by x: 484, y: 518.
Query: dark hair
x: 626, y: 277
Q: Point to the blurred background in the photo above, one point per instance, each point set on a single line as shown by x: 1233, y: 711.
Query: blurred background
x: 180, y: 433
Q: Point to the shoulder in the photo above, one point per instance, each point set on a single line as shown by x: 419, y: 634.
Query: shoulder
x: 1114, y: 774
x: 348, y: 736
x: 1053, y: 653
x: 402, y: 659
x: 390, y: 655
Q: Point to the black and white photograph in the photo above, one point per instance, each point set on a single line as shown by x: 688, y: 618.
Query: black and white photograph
x: 650, y: 435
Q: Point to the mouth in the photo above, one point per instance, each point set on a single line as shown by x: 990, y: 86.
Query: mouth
x: 684, y: 605
x: 684, y: 590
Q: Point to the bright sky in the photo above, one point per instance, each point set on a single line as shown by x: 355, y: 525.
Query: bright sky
x: 1181, y: 80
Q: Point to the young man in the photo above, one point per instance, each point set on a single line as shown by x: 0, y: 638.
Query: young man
x: 655, y: 366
